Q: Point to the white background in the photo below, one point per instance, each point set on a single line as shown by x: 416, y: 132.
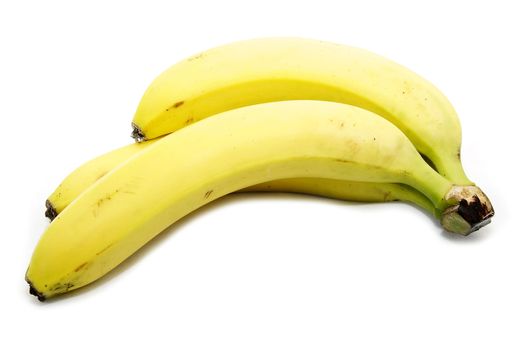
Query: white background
x: 265, y: 271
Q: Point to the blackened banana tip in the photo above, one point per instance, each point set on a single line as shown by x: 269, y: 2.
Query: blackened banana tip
x: 51, y: 212
x: 137, y: 134
x: 35, y: 292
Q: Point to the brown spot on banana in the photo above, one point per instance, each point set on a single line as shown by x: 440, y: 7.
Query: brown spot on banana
x: 195, y: 57
x: 81, y: 266
x: 99, y: 203
x: 104, y: 249
x: 108, y: 197
x: 175, y: 105
x: 101, y: 175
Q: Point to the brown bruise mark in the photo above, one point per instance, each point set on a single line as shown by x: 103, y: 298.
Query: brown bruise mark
x: 207, y: 194
x: 407, y: 88
x: 59, y: 287
x: 108, y: 197
x: 81, y: 266
x: 353, y: 146
x: 349, y: 161
x: 195, y: 57
x: 104, y: 249
x: 387, y: 196
x: 190, y: 120
x: 175, y: 105
x: 101, y: 175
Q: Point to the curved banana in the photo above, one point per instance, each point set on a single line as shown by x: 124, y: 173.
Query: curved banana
x: 265, y: 70
x: 240, y: 148
x: 88, y: 173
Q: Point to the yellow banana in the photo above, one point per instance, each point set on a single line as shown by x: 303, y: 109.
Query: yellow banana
x: 265, y: 70
x: 88, y: 173
x: 129, y: 206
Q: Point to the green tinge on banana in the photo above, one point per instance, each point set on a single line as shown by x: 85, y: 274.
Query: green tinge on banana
x: 93, y: 170
x: 276, y: 69
x: 126, y: 208
x: 348, y: 190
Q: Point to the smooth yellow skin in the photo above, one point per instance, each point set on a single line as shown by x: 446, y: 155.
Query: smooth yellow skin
x: 133, y: 203
x: 264, y: 70
x: 93, y: 170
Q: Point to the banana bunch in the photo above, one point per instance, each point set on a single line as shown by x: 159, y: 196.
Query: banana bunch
x: 291, y: 115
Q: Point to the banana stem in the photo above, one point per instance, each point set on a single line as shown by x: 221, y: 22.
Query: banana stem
x: 451, y: 168
x: 461, y: 209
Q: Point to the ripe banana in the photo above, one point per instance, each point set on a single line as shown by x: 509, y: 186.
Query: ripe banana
x: 88, y: 173
x: 240, y: 148
x: 265, y: 70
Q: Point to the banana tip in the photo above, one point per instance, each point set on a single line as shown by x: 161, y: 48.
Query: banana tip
x: 51, y: 212
x: 471, y: 210
x: 137, y: 134
x: 35, y: 292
